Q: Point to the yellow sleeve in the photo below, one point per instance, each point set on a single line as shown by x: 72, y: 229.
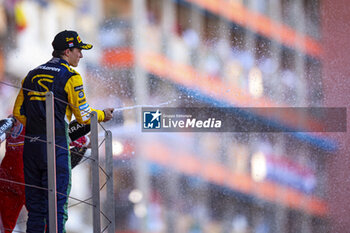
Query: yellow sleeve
x: 78, y: 104
x: 18, y: 110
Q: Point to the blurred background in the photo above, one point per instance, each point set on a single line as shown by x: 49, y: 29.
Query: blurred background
x: 201, y: 53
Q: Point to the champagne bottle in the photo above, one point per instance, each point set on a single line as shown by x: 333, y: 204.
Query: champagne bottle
x: 5, y: 126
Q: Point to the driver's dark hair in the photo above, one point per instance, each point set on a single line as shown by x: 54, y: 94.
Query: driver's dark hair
x: 59, y: 53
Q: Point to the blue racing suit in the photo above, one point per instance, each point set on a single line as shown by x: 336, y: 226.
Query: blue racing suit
x: 67, y: 85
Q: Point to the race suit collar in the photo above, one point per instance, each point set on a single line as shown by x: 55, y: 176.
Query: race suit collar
x: 57, y: 60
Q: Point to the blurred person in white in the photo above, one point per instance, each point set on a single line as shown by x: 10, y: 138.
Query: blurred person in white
x: 67, y: 85
x: 192, y: 40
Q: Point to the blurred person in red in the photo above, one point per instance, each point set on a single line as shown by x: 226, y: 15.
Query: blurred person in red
x: 12, y: 197
x: 12, y: 191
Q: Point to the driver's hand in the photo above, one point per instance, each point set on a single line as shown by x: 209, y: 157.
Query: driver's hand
x: 108, y: 114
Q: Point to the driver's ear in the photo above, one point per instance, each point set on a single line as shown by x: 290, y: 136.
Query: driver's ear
x: 66, y: 52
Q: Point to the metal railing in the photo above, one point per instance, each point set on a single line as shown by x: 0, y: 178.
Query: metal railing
x: 95, y: 170
x: 51, y: 161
